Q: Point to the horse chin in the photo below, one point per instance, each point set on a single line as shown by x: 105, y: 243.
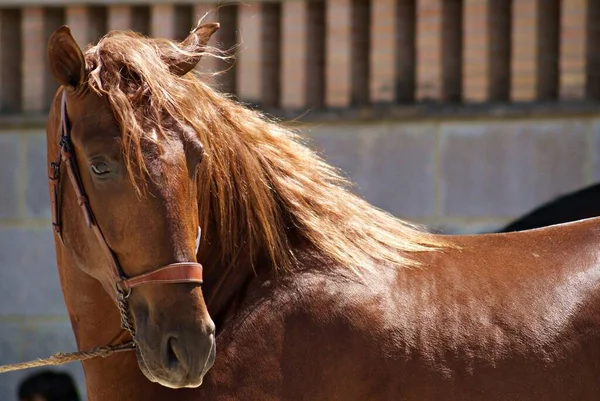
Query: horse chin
x: 144, y: 367
x: 179, y: 386
x: 175, y: 387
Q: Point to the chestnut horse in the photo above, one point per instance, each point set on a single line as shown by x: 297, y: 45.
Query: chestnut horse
x: 315, y: 294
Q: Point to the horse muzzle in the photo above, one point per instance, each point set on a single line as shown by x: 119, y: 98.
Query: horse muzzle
x: 178, y: 359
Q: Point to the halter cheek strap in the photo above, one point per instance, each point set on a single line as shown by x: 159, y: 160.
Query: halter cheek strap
x: 185, y: 272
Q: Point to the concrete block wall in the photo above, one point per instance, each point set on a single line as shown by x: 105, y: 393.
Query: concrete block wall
x: 463, y: 176
x: 33, y: 318
x: 453, y: 175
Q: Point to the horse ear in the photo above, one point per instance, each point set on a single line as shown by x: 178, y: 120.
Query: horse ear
x: 65, y: 58
x: 194, y: 43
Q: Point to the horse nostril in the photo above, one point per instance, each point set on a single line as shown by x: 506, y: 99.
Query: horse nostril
x: 173, y: 357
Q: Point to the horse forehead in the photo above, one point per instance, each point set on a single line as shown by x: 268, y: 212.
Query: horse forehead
x: 97, y: 122
x: 90, y: 115
x: 94, y: 119
x: 85, y: 102
x: 164, y: 157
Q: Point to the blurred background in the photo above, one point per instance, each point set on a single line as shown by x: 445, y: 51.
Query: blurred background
x: 458, y: 114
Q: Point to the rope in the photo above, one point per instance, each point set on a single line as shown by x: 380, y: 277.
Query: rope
x: 62, y: 358
x: 104, y: 352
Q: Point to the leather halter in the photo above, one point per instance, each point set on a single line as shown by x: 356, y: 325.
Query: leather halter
x: 185, y: 272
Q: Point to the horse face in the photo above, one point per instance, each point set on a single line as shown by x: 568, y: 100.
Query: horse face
x: 146, y: 226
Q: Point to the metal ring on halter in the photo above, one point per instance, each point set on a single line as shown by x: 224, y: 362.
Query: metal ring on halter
x: 124, y: 294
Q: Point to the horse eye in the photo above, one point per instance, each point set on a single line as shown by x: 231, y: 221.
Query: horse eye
x: 100, y: 168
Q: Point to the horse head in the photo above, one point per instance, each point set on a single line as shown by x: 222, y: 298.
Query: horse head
x: 133, y: 168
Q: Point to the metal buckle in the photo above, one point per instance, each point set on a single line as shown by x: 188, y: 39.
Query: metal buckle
x: 55, y: 171
x: 65, y: 143
x: 66, y: 147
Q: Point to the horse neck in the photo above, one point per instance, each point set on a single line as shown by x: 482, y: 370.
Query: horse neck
x: 225, y: 283
x: 226, y: 286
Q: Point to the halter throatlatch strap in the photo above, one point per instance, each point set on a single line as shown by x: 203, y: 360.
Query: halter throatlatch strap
x: 184, y: 272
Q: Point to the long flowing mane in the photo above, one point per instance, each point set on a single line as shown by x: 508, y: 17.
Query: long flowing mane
x: 258, y: 183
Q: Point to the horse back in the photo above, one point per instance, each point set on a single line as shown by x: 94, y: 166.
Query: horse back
x: 503, y: 316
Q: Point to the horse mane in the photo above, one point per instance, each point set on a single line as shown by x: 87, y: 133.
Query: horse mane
x: 259, y: 185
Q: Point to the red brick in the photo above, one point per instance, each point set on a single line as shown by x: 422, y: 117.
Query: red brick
x: 535, y: 48
x: 39, y: 86
x: 573, y: 43
x: 87, y: 24
x: 119, y: 17
x: 338, y: 78
x: 439, y: 49
x: 123, y: 17
x: 33, y: 70
x: 259, y: 57
x: 295, y: 50
x: 360, y: 67
x: 248, y: 59
x: 171, y: 21
x: 486, y: 50
x: 384, y: 20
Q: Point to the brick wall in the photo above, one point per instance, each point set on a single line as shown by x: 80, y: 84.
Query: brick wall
x: 305, y: 54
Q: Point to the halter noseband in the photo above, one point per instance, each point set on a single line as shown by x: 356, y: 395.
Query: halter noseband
x: 185, y: 272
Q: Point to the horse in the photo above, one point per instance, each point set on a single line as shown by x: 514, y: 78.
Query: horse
x: 298, y: 288
x: 577, y: 205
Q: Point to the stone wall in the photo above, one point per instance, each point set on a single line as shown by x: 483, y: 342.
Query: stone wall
x: 455, y: 175
x: 464, y: 176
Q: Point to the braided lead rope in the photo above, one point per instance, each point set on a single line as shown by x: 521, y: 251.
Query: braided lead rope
x: 62, y: 358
